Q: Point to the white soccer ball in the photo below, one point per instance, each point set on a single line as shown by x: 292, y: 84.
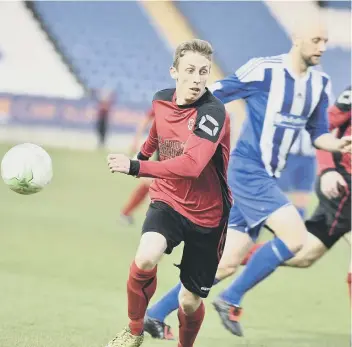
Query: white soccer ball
x: 26, y: 168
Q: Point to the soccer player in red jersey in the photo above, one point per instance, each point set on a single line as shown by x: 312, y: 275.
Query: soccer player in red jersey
x: 141, y: 192
x: 190, y: 196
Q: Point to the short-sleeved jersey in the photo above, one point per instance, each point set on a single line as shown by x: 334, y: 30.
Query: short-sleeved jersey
x: 193, y: 142
x: 280, y: 104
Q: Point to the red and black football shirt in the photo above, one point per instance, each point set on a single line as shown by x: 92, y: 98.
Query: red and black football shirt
x: 194, y: 143
x: 340, y: 119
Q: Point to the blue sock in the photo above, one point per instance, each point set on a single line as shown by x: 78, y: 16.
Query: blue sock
x: 302, y: 211
x: 167, y: 304
x: 263, y: 262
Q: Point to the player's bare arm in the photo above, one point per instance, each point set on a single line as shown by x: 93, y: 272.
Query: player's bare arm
x: 329, y: 142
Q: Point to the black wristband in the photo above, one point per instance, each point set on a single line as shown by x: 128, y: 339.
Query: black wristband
x: 140, y: 156
x: 134, y: 167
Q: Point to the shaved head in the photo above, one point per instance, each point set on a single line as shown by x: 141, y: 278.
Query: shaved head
x: 310, y: 27
x: 309, y: 40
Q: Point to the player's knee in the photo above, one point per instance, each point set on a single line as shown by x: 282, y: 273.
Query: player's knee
x: 295, y: 246
x: 294, y: 242
x: 304, y: 262
x: 145, y: 263
x: 188, y: 301
x: 147, y: 257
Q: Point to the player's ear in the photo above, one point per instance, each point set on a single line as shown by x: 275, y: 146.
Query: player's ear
x: 173, y: 73
x: 296, y: 39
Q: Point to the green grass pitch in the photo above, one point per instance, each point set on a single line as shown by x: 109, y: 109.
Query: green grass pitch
x: 64, y: 261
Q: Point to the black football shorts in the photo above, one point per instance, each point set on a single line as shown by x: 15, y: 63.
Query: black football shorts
x: 332, y: 217
x: 202, y: 250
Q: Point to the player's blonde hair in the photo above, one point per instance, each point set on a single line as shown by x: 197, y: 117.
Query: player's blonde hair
x: 197, y: 46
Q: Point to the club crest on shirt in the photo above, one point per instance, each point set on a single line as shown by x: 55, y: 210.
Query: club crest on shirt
x: 191, y: 124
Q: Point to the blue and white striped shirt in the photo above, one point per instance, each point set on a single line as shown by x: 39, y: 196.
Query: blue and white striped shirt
x: 279, y: 105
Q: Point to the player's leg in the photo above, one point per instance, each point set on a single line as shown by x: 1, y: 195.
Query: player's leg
x: 330, y: 222
x: 201, y: 255
x: 162, y: 230
x: 297, y: 180
x: 291, y: 233
x: 263, y: 262
x: 190, y: 314
x: 141, y: 286
x: 136, y: 198
x: 141, y: 283
x: 259, y: 199
x: 238, y: 243
x: 236, y: 246
x: 300, y: 200
x: 312, y: 250
x: 101, y: 130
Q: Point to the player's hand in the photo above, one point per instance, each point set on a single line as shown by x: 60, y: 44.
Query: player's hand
x: 345, y: 144
x: 332, y: 184
x: 119, y: 163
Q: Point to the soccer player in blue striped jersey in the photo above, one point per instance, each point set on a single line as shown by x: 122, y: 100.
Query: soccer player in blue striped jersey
x: 284, y: 95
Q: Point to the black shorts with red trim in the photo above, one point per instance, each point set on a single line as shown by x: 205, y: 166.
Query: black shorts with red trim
x: 203, y: 247
x: 332, y: 218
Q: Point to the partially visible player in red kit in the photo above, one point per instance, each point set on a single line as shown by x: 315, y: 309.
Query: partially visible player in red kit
x: 190, y: 196
x: 141, y: 191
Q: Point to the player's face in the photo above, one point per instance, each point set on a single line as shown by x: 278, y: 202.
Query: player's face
x: 191, y: 77
x: 313, y: 45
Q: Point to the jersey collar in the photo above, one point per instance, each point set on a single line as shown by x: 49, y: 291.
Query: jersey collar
x: 286, y: 59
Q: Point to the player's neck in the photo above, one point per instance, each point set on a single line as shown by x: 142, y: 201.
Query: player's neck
x: 298, y: 66
x: 181, y: 101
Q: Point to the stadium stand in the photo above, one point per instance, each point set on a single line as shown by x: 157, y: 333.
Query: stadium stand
x: 107, y: 49
x: 64, y: 51
x: 29, y: 63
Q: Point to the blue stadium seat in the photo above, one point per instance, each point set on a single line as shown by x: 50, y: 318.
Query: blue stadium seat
x: 110, y: 44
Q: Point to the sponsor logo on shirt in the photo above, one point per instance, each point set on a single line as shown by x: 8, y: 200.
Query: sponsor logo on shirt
x: 291, y: 121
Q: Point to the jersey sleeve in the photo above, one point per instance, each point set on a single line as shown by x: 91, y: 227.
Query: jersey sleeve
x: 318, y: 123
x: 339, y: 114
x: 199, y: 148
x: 241, y: 84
